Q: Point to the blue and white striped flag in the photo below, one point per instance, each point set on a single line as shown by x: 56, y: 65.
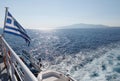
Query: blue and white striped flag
x: 13, y: 27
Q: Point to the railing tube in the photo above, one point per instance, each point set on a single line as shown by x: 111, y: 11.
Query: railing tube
x: 27, y: 73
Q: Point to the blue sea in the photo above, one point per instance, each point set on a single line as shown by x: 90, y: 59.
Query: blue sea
x: 90, y: 54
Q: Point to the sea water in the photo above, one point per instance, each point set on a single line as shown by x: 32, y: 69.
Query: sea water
x: 91, y: 54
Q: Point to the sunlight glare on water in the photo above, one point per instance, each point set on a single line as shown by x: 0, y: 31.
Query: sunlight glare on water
x: 47, y: 29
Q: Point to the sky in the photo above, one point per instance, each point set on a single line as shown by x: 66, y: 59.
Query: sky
x: 55, y: 13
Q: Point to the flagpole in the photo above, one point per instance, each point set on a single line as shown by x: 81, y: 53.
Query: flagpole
x: 6, y: 11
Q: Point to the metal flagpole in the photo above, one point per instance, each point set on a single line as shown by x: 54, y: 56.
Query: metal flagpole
x: 6, y: 12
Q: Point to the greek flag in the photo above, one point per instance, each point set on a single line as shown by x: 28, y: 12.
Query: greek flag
x: 13, y: 27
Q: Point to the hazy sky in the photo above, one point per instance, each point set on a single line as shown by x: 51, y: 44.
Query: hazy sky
x: 55, y: 13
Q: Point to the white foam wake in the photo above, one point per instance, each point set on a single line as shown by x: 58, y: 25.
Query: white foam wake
x: 102, y: 64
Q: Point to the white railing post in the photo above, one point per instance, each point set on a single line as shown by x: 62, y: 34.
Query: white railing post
x: 16, y: 65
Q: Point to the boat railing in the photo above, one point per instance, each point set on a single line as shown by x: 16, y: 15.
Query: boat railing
x: 16, y: 69
x: 68, y: 75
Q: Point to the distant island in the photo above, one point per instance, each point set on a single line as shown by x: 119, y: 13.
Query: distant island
x: 85, y: 26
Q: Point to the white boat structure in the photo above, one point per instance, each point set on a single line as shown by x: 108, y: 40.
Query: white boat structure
x: 13, y: 68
